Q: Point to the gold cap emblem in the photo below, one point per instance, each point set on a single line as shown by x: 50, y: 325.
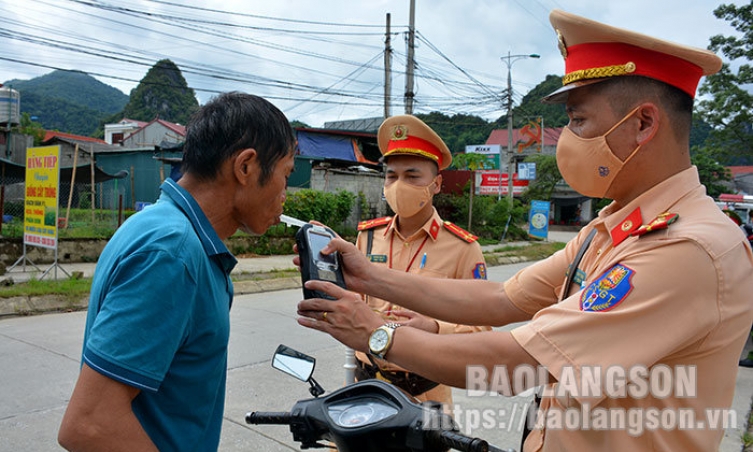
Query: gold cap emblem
x: 399, y: 132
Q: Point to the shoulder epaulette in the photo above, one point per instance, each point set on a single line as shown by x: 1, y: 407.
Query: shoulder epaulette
x: 460, y: 232
x: 371, y: 224
x: 661, y: 222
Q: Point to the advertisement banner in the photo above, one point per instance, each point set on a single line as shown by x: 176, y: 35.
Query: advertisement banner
x: 538, y: 219
x: 41, y: 198
x: 488, y: 183
x: 493, y: 153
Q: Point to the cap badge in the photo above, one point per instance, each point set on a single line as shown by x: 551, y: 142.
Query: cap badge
x: 399, y: 132
x: 561, y: 44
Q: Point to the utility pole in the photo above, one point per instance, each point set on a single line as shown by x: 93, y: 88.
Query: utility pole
x: 387, y: 69
x: 509, y: 59
x: 409, y: 69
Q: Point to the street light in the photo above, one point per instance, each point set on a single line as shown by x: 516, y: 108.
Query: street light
x: 509, y: 60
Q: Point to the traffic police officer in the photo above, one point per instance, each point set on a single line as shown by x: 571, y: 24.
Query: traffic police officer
x: 415, y: 240
x: 656, y: 288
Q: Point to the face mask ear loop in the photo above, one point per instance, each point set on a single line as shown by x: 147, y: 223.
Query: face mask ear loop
x: 632, y: 112
x: 625, y: 118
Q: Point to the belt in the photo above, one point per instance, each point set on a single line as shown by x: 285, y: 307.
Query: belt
x: 411, y: 383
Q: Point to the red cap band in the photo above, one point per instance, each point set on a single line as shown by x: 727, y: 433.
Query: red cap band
x: 595, y: 59
x: 414, y: 146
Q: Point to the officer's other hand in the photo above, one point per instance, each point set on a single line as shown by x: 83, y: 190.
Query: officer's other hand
x: 414, y: 319
x: 347, y: 318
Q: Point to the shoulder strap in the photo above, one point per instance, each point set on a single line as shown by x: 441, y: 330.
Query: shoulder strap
x: 574, y: 266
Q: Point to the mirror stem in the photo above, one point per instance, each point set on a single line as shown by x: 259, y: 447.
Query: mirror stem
x: 316, y: 390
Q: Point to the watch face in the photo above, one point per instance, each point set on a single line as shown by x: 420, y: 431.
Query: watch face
x: 378, y: 340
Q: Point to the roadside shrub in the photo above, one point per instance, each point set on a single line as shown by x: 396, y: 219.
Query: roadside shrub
x: 489, y: 217
x: 331, y: 209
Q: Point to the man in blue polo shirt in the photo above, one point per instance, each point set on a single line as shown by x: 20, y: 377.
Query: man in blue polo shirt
x: 155, y: 345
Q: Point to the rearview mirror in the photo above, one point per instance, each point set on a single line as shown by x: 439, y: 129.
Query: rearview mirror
x: 297, y: 364
x: 293, y: 363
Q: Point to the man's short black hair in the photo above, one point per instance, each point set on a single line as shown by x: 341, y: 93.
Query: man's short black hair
x: 230, y: 123
x: 625, y: 92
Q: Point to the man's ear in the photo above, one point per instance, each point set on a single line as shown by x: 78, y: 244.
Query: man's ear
x: 650, y: 120
x: 245, y: 165
x: 438, y: 188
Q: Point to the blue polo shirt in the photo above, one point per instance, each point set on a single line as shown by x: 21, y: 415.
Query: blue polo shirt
x: 159, y: 320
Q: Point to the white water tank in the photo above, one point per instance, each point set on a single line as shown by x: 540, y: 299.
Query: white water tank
x: 10, y: 106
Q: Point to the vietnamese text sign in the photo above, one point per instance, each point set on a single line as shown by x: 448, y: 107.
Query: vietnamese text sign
x: 488, y: 183
x: 527, y: 171
x: 41, y: 199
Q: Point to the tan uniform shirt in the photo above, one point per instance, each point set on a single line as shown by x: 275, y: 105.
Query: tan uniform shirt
x: 447, y: 256
x: 674, y: 301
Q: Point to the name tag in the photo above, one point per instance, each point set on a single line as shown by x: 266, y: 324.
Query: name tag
x: 380, y: 258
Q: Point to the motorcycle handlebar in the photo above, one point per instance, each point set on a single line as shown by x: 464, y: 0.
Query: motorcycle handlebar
x: 458, y: 441
x: 262, y: 417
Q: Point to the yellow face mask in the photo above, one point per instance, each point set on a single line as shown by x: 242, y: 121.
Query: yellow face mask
x: 588, y: 165
x: 405, y: 199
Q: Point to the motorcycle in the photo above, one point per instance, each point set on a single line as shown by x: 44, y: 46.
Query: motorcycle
x: 366, y: 416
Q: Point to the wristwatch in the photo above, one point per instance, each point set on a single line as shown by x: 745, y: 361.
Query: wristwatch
x: 380, y: 340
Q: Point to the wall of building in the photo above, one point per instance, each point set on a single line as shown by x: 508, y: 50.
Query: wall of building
x: 330, y: 180
x: 145, y: 175
x: 151, y: 135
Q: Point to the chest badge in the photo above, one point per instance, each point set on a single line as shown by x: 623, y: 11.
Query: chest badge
x: 609, y: 290
x: 380, y: 258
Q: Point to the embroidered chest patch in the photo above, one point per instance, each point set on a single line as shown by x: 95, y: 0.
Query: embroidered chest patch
x: 608, y: 291
x: 479, y: 271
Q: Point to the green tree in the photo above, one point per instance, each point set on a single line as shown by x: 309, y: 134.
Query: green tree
x: 710, y: 171
x: 547, y: 177
x: 471, y: 162
x: 459, y: 130
x: 29, y: 127
x: 554, y: 114
x: 728, y: 108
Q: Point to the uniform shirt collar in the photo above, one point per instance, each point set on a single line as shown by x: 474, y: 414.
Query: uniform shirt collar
x: 213, y: 245
x: 430, y: 228
x: 655, y: 201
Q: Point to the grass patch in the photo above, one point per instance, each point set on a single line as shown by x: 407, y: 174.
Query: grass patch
x: 747, y: 437
x: 266, y: 275
x: 532, y: 251
x: 70, y: 288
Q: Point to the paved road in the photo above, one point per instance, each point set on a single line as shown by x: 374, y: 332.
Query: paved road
x: 39, y: 362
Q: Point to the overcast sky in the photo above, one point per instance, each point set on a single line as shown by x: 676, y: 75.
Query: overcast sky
x: 322, y: 60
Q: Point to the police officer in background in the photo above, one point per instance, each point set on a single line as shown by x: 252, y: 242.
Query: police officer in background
x: 415, y: 240
x: 660, y: 280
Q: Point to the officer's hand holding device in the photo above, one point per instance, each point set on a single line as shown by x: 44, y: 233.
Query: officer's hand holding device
x: 311, y: 239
